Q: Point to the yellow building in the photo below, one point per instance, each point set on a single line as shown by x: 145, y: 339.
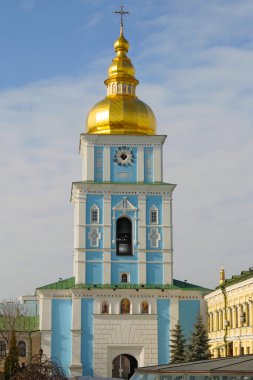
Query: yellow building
x: 230, y: 315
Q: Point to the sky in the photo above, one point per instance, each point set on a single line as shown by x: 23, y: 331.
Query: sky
x: 194, y: 61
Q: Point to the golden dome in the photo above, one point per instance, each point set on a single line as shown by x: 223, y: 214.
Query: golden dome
x: 121, y: 112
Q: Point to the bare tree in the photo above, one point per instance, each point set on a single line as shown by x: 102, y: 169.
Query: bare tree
x: 9, y: 315
x: 40, y: 368
x: 14, y: 318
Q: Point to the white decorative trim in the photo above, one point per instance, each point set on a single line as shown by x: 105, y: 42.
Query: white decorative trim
x: 124, y: 206
x: 128, y: 277
x: 152, y: 210
x: 154, y: 237
x: 94, y: 207
x: 94, y: 237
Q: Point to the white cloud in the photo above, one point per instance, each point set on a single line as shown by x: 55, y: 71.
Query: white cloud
x: 27, y: 5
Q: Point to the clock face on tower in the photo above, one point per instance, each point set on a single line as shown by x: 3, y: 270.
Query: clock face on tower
x: 124, y: 156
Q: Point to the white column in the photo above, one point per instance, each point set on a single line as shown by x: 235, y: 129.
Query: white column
x: 136, y: 305
x: 140, y: 164
x: 203, y: 309
x: 174, y: 312
x: 142, y: 238
x: 80, y: 221
x: 250, y: 313
x: 167, y: 241
x: 157, y: 164
x: 79, y: 237
x: 45, y: 307
x: 107, y: 239
x: 107, y: 164
x: 76, y: 365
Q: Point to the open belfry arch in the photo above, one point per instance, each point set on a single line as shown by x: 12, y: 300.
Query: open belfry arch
x: 117, y: 310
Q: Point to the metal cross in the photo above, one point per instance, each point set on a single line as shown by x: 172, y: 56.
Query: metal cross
x: 122, y: 13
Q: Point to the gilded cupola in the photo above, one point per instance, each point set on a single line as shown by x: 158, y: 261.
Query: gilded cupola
x: 121, y: 112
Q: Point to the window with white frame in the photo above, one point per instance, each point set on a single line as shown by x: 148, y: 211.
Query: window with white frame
x: 94, y: 214
x: 124, y: 277
x: 153, y: 215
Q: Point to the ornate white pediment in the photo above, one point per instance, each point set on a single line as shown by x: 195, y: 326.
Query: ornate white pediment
x: 124, y: 205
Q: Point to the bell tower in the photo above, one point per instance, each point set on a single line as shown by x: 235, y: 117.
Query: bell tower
x: 123, y: 209
x: 122, y: 302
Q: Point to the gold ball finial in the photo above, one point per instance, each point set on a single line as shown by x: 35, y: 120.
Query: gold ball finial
x: 222, y: 275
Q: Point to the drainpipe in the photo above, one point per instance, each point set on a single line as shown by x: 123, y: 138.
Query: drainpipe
x: 223, y: 289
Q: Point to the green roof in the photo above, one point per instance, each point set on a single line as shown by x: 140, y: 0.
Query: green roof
x: 245, y: 275
x: 69, y: 283
x: 22, y: 323
x: 188, y: 286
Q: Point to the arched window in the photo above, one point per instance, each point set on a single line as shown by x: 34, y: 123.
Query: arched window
x: 153, y: 215
x: 144, y: 307
x: 119, y: 88
x: 94, y: 214
x: 124, y: 237
x: 2, y: 348
x: 124, y: 277
x: 125, y: 306
x: 124, y: 88
x: 105, y: 307
x: 21, y: 348
x: 129, y: 88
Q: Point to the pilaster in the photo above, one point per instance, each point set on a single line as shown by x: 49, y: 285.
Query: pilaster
x: 76, y: 365
x: 174, y: 312
x: 107, y: 164
x: 140, y: 164
x: 45, y: 305
x: 142, y: 238
x: 107, y: 239
x: 79, y: 237
x: 167, y: 240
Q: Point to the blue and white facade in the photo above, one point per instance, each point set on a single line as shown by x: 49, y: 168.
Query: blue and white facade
x: 73, y: 324
x: 135, y: 191
x: 122, y: 299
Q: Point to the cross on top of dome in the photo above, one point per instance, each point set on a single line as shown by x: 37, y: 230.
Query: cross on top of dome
x: 122, y: 13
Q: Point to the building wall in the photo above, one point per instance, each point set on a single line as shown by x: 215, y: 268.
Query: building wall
x: 96, y: 261
x: 33, y: 345
x: 230, y: 319
x: 89, y: 337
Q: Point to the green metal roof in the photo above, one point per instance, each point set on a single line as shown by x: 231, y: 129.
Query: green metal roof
x: 245, y: 275
x: 188, y: 286
x: 69, y: 283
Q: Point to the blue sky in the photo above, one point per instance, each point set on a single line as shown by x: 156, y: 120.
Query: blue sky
x: 194, y: 61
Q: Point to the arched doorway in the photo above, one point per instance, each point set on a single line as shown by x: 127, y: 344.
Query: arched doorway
x: 124, y: 237
x: 123, y: 366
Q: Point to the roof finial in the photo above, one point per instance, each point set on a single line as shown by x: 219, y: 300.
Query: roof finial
x: 122, y: 13
x: 222, y: 275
